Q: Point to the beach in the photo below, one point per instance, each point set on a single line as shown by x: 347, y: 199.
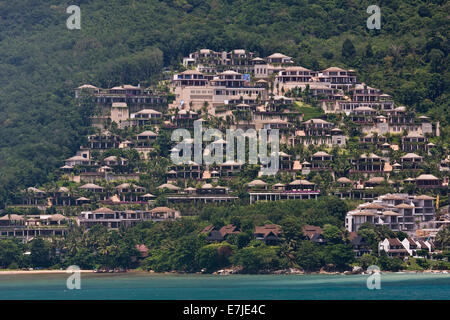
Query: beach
x: 63, y: 271
x: 37, y: 272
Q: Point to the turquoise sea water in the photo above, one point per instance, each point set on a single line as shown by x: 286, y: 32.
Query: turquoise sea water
x: 177, y: 287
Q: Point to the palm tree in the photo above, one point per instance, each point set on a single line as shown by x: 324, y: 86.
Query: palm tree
x: 443, y: 238
x: 205, y: 106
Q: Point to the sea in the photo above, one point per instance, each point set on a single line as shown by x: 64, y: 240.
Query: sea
x: 146, y: 286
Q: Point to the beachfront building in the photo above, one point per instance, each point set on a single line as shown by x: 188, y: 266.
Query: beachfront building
x: 410, y: 245
x: 399, y: 212
x: 393, y: 248
x: 270, y: 234
x: 29, y: 227
x: 214, y: 234
x: 115, y: 219
x: 360, y: 244
x: 313, y: 234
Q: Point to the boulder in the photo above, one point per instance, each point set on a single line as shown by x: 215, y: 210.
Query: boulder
x: 357, y: 270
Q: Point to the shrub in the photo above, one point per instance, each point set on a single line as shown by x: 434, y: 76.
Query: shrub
x: 255, y: 259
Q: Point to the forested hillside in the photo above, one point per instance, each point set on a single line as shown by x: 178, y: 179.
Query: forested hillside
x: 131, y: 41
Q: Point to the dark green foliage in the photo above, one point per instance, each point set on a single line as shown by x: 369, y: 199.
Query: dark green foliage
x: 401, y: 235
x: 181, y: 246
x: 40, y: 254
x: 348, y: 50
x: 422, y: 253
x: 292, y: 228
x: 423, y: 263
x: 97, y: 248
x: 443, y: 238
x: 390, y: 264
x: 367, y: 260
x: 163, y: 144
x: 374, y: 234
x: 259, y: 258
x: 214, y: 256
x: 339, y: 255
x: 184, y: 256
x: 309, y: 257
x: 332, y: 234
x: 240, y: 240
x: 11, y: 254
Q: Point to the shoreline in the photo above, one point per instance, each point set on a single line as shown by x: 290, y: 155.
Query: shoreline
x: 37, y: 272
x: 14, y: 272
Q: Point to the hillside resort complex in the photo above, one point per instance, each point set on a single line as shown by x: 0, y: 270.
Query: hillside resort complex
x: 338, y: 137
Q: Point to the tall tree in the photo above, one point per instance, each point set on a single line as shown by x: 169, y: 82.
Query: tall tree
x: 348, y: 50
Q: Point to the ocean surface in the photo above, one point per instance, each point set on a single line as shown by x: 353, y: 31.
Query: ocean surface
x: 177, y: 287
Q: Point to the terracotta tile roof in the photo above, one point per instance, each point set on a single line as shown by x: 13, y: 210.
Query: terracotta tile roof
x: 391, y: 213
x: 394, y: 242
x: 228, y: 229
x: 90, y: 186
x: 161, y: 209
x: 422, y: 244
x: 426, y: 177
x: 257, y: 182
x: 393, y: 197
x: 344, y: 180
x: 208, y: 229
x: 267, y: 229
x: 398, y: 250
x: 12, y: 217
x: 372, y: 206
x: 310, y: 231
x: 423, y: 197
x: 103, y: 210
x: 404, y: 206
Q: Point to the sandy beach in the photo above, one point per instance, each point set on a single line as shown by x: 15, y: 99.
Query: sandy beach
x: 22, y: 272
x: 14, y: 272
